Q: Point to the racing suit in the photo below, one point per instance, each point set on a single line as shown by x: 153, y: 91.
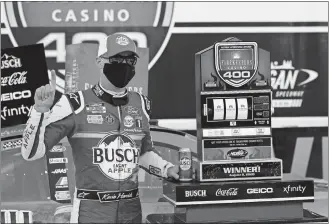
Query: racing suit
x: 109, y: 144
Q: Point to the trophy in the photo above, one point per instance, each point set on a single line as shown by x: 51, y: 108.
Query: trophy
x: 238, y: 179
x: 234, y: 113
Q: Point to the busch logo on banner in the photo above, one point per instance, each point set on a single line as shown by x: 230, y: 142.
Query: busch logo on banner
x: 236, y: 62
x: 9, y: 61
x: 23, y: 70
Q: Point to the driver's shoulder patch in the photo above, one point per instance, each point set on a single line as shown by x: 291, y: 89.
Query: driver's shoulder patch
x: 147, y: 104
x: 76, y: 100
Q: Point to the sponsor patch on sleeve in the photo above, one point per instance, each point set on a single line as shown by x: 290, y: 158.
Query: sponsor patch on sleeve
x: 147, y: 103
x: 155, y: 170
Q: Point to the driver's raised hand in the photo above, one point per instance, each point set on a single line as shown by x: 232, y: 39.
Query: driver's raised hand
x: 44, y: 95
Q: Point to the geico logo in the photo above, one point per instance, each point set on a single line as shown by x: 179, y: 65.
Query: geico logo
x: 260, y: 190
x: 196, y: 193
x: 16, y: 95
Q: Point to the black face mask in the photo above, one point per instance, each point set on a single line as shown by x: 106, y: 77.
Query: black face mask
x: 119, y: 74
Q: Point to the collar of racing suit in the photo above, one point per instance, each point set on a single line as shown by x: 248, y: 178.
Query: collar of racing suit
x: 115, y: 100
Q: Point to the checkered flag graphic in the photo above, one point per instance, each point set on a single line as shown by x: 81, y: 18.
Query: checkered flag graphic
x: 11, y: 144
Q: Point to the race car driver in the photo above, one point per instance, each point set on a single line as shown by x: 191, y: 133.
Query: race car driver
x: 108, y: 129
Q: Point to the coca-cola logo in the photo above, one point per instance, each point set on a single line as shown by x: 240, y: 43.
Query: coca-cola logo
x: 237, y: 153
x: 16, y: 78
x: 227, y: 192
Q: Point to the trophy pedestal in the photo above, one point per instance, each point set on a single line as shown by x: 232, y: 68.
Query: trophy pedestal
x: 238, y: 201
x: 239, y: 212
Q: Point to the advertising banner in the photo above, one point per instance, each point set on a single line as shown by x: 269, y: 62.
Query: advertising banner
x: 23, y: 70
x: 249, y: 191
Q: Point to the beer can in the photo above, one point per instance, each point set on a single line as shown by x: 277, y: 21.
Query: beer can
x: 185, y: 165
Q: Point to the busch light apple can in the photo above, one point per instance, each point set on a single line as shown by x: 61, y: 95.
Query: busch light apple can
x: 185, y: 164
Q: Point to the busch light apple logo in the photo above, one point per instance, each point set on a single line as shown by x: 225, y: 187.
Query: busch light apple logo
x: 289, y: 83
x: 116, y: 155
x: 185, y: 163
x: 58, y: 24
x: 236, y: 63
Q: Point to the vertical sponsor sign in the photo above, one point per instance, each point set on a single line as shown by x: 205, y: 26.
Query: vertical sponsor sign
x: 23, y: 70
x: 58, y: 174
x: 82, y: 72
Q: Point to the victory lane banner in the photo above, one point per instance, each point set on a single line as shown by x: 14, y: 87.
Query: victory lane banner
x: 23, y: 70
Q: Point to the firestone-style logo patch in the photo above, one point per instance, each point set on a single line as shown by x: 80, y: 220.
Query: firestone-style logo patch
x: 116, y: 155
x: 58, y: 24
x: 236, y: 63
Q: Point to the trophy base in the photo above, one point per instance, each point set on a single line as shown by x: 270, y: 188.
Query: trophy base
x: 240, y: 212
x: 239, y: 201
x: 308, y: 217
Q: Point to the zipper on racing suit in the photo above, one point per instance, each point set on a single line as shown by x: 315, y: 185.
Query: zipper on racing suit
x: 119, y: 189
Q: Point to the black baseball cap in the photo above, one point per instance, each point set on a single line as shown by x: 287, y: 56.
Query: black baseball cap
x: 117, y: 43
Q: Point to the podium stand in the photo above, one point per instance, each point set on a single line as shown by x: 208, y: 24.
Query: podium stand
x: 239, y: 206
x: 237, y: 177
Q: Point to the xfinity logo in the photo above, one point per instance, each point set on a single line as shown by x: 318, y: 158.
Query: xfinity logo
x: 195, y: 193
x: 298, y: 188
x: 260, y: 190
